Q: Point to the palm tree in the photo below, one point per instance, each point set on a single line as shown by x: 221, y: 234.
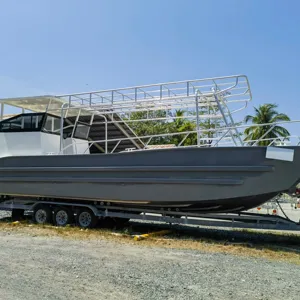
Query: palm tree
x: 265, y: 114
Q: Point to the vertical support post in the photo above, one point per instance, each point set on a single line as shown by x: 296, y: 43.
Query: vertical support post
x: 62, y: 127
x: 91, y: 123
x: 1, y: 111
x: 90, y: 99
x: 105, y: 134
x: 161, y: 91
x: 188, y: 88
x: 197, y: 118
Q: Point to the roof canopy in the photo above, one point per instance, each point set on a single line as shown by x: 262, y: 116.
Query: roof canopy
x: 51, y: 104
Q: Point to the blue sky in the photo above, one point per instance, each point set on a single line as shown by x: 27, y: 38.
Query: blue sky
x: 66, y: 46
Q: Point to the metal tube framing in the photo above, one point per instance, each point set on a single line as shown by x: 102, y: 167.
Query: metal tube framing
x: 224, y: 118
x: 1, y: 111
x: 77, y: 119
x: 62, y: 115
x: 232, y: 123
x: 197, y: 119
x: 106, y: 131
x: 116, y: 146
x: 116, y: 104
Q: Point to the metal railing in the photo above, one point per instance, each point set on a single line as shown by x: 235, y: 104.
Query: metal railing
x: 206, y: 101
x: 214, y: 99
x: 235, y: 89
x: 222, y: 140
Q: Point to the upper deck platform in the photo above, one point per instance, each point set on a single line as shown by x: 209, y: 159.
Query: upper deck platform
x: 169, y: 95
x: 202, y: 100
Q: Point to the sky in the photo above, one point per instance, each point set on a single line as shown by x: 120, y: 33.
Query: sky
x: 68, y: 46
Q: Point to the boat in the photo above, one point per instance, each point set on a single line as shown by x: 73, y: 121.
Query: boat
x: 81, y: 147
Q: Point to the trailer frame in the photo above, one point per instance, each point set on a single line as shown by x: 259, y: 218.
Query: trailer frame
x: 243, y: 220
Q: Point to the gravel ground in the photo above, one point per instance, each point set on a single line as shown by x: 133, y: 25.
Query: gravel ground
x: 5, y: 214
x: 36, y: 267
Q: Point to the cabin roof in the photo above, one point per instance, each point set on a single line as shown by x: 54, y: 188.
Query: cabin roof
x: 35, y: 103
x: 46, y: 103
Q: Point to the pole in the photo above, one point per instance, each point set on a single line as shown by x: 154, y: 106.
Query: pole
x: 197, y: 118
x: 62, y: 126
x: 1, y: 111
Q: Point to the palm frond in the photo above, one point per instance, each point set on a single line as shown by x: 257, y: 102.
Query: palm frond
x: 265, y: 114
x: 248, y: 118
x: 281, y: 131
x: 279, y: 118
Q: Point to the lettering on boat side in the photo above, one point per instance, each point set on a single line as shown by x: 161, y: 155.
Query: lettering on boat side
x: 280, y: 153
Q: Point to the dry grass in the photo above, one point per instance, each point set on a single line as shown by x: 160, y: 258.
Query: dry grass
x: 284, y: 253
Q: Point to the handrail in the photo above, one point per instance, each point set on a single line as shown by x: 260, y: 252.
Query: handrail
x: 156, y: 84
x: 217, y: 139
x: 62, y: 125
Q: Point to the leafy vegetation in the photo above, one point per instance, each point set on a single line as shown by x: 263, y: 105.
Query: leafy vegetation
x: 184, y: 121
x: 265, y: 114
x: 177, y: 122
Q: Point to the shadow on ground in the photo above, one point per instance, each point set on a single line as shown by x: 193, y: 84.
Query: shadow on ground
x: 274, y: 241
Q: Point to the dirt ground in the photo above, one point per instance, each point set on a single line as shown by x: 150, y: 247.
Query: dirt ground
x: 51, y: 267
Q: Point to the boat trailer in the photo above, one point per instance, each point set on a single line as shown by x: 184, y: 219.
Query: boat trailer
x: 95, y: 211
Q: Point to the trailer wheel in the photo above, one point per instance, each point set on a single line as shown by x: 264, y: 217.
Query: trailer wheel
x: 17, y: 214
x: 42, y: 214
x: 62, y: 216
x: 86, y: 218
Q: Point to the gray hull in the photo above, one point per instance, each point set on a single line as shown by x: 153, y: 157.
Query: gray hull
x: 204, y: 179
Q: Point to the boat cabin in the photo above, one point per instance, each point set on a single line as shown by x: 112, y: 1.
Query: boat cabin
x: 39, y: 134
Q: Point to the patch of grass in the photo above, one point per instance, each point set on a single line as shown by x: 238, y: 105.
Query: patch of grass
x: 266, y: 245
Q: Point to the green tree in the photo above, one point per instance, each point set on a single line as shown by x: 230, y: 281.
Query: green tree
x: 182, y: 124
x: 177, y: 122
x: 265, y: 114
x: 151, y: 127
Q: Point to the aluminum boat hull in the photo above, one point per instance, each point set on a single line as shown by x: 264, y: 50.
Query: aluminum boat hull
x: 191, y: 179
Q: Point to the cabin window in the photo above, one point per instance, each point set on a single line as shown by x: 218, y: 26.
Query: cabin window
x: 15, y: 123
x: 52, y: 124
x: 35, y: 122
x: 82, y: 131
x: 30, y: 122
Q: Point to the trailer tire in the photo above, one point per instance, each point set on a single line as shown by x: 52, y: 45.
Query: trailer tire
x: 63, y: 216
x: 85, y: 218
x: 42, y: 214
